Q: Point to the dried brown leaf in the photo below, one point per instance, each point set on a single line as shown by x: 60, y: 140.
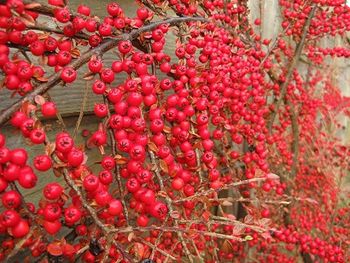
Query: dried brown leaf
x: 226, y: 247
x: 28, y: 20
x: 121, y: 161
x: 50, y: 148
x: 206, y: 215
x: 131, y: 236
x: 226, y: 203
x: 75, y: 52
x: 40, y: 100
x: 175, y: 214
x: 167, y: 129
x: 163, y: 166
x: 32, y: 5
x: 152, y: 147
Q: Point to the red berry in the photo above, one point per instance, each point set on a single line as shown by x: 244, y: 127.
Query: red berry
x: 64, y: 144
x: 72, y: 215
x: 27, y: 179
x: 10, y: 218
x: 68, y: 74
x: 42, y: 162
x: 105, y: 177
x: 11, y: 199
x: 4, y: 155
x: 21, y: 229
x: 75, y: 157
x: 37, y: 136
x: 115, y: 207
x: 11, y: 172
x: 142, y: 13
x: 48, y: 109
x: 95, y: 65
x: 52, y: 212
x: 101, y: 110
x: 142, y: 220
x: 84, y: 10
x: 37, y: 48
x: 3, y: 184
x: 114, y: 9
x: 19, y: 156
x: 91, y: 183
x: 124, y: 46
x: 52, y: 227
x: 177, y: 184
x: 108, y: 162
x: 52, y: 191
x: 62, y: 15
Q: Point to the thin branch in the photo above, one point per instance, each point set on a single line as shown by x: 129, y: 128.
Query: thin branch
x: 224, y: 187
x: 156, y: 248
x: 106, y: 230
x: 292, y: 65
x: 84, y: 58
x: 295, y: 143
x: 19, y: 245
x: 82, y: 108
x: 169, y: 204
x: 178, y: 230
x: 43, y: 28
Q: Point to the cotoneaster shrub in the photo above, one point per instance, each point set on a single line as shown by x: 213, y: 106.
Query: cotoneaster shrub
x: 226, y: 152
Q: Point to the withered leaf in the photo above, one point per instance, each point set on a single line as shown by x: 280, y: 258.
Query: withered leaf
x: 152, y: 147
x: 163, y: 166
x: 272, y: 176
x: 75, y: 53
x: 238, y: 230
x: 50, y: 148
x: 28, y: 20
x: 167, y: 129
x: 248, y: 219
x: 57, y: 172
x: 40, y: 100
x: 226, y: 203
x: 121, y: 161
x: 175, y: 214
x: 42, y: 79
x: 131, y: 236
x: 226, y: 247
x: 54, y: 249
x: 206, y: 215
x: 162, y: 194
x: 32, y: 5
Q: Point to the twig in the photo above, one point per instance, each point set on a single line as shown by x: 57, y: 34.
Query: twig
x: 156, y: 248
x: 295, y: 143
x: 272, y: 47
x: 44, y: 28
x: 224, y: 187
x: 178, y: 230
x: 291, y: 67
x: 82, y: 107
x: 84, y: 58
x: 106, y: 229
x: 170, y: 207
x: 19, y: 245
